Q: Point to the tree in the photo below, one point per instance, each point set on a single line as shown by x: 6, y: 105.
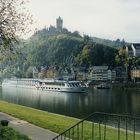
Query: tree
x: 84, y: 58
x: 126, y: 62
x: 121, y: 57
x: 29, y: 72
x: 14, y: 21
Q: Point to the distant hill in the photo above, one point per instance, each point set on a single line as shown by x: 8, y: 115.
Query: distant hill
x: 111, y: 43
x: 115, y: 43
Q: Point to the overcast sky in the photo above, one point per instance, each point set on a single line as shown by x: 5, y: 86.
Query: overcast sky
x: 110, y: 19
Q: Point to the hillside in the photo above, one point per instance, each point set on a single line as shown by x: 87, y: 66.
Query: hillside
x: 115, y: 43
x: 52, y: 48
x: 60, y: 48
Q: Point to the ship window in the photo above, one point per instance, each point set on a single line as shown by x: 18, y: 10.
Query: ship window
x: 58, y: 88
x: 62, y: 84
x: 70, y: 85
x: 76, y: 84
x: 73, y: 84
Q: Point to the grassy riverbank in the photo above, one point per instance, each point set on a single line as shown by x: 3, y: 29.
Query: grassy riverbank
x: 54, y: 122
x: 57, y: 123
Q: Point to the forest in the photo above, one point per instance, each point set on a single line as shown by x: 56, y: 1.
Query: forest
x: 50, y: 48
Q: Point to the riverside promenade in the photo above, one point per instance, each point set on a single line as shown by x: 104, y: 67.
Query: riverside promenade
x: 32, y: 131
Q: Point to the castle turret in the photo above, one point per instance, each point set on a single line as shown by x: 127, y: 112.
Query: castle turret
x: 59, y: 23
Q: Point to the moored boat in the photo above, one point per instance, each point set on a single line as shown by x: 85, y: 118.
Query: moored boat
x: 46, y: 84
x: 103, y: 86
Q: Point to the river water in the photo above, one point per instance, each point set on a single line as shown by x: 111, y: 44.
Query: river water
x: 77, y: 105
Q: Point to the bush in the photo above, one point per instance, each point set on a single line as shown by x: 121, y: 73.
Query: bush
x: 4, y: 122
x: 7, y: 133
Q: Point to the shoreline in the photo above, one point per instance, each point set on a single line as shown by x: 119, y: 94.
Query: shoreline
x: 53, y: 122
x: 122, y: 86
x: 126, y: 86
x: 37, y: 117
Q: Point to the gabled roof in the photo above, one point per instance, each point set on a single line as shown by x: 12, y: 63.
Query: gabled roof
x: 136, y: 45
x: 100, y: 67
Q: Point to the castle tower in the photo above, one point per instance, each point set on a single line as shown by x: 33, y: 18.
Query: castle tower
x: 59, y: 23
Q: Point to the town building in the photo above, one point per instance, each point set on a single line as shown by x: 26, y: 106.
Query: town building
x: 102, y: 73
x: 35, y: 72
x: 129, y: 51
x: 133, y: 50
x: 52, y: 73
x: 135, y: 74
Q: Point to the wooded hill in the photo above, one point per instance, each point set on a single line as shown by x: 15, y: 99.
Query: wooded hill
x: 49, y: 47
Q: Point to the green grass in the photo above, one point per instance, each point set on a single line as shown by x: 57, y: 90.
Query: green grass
x: 8, y: 133
x: 111, y: 133
x: 54, y: 122
x: 59, y: 123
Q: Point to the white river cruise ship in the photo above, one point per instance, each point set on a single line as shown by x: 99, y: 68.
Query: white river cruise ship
x: 46, y: 85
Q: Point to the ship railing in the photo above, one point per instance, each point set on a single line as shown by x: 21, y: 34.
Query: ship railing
x: 103, y: 126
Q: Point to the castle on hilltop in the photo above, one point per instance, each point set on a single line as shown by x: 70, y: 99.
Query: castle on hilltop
x: 59, y: 23
x: 58, y: 28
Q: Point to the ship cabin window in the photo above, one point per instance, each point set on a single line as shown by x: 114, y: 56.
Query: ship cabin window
x: 63, y: 84
x: 55, y: 83
x: 58, y: 88
x: 48, y: 83
x: 76, y: 85
x: 70, y: 84
x: 73, y: 84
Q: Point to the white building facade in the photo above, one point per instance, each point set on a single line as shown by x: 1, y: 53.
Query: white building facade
x: 133, y: 50
x: 102, y: 73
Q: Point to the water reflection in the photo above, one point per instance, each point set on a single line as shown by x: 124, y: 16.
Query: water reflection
x: 75, y: 104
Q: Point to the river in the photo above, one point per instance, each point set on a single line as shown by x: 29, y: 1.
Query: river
x: 76, y: 104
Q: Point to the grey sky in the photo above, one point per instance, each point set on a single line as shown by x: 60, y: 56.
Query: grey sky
x: 110, y: 19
